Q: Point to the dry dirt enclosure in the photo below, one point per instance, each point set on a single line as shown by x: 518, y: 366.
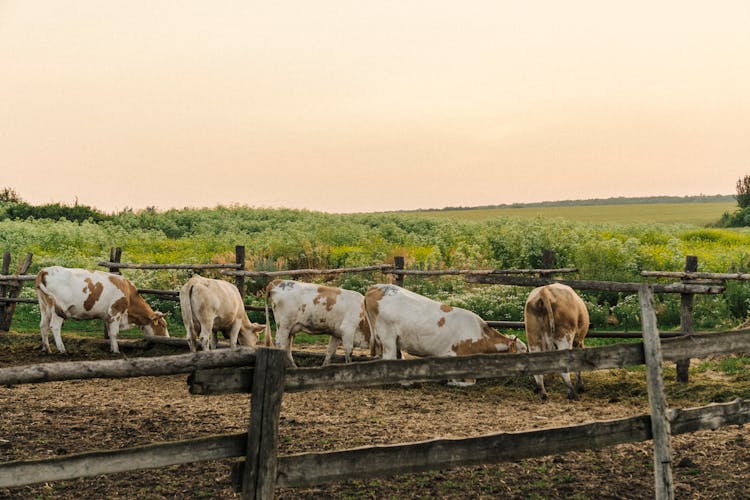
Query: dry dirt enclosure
x: 59, y: 418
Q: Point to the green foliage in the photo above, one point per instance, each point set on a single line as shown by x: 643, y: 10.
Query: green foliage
x: 286, y: 239
x: 54, y: 211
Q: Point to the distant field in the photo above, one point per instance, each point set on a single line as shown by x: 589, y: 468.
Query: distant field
x: 669, y: 213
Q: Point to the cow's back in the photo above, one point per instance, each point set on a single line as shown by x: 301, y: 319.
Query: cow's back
x: 424, y: 327
x: 80, y: 293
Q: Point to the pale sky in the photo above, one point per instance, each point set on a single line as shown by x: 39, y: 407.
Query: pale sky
x: 348, y: 106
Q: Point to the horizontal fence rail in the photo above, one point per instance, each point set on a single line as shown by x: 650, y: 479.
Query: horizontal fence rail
x: 315, y: 468
x: 123, y: 368
x: 696, y: 275
x: 120, y: 265
x: 372, y: 373
x: 602, y: 286
x: 471, y: 272
x: 308, y: 469
x: 17, y: 277
x: 384, y: 268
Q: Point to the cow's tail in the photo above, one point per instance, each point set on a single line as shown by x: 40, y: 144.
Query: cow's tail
x: 186, y: 308
x: 371, y: 324
x: 546, y: 303
x: 267, y: 338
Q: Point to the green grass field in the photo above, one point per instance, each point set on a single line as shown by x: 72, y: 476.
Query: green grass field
x: 699, y: 214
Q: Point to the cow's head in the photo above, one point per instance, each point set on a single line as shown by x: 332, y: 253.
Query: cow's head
x: 518, y: 345
x: 248, y: 336
x: 157, y: 325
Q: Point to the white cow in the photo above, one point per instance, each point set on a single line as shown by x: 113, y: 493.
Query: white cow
x: 404, y: 320
x: 556, y: 318
x: 317, y: 309
x: 209, y: 306
x: 81, y: 294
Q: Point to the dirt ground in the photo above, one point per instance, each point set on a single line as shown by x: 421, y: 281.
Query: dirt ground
x: 59, y: 418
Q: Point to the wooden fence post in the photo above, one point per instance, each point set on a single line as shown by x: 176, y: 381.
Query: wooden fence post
x: 115, y: 254
x: 548, y: 258
x: 5, y: 270
x: 664, y: 487
x: 239, y: 258
x: 13, y: 291
x: 398, y: 263
x: 686, y: 318
x: 259, y: 478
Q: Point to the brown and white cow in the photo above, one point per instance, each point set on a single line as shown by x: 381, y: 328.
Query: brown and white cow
x: 317, y: 309
x: 556, y: 318
x: 209, y: 306
x: 417, y: 325
x: 82, y: 294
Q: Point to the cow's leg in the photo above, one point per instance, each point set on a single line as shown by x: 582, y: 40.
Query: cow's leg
x: 333, y: 344
x: 44, y: 329
x: 348, y: 342
x: 206, y: 336
x: 578, y: 344
x: 571, y: 390
x: 113, y: 328
x: 56, y: 325
x: 390, y: 347
x: 234, y: 333
x: 539, y: 379
x: 567, y: 343
x: 284, y: 339
x: 190, y: 334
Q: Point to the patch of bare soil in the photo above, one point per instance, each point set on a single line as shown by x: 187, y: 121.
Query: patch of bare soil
x: 60, y: 418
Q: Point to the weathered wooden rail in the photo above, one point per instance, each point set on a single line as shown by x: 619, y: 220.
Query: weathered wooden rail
x: 263, y: 470
x: 691, y: 283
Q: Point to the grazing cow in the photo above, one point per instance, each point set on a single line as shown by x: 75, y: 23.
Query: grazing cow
x: 556, y: 318
x: 317, y: 309
x: 210, y: 306
x: 404, y: 320
x: 81, y: 294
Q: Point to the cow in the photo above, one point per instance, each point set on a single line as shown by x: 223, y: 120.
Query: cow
x: 401, y: 320
x: 82, y: 294
x: 555, y: 318
x: 317, y: 309
x: 209, y: 306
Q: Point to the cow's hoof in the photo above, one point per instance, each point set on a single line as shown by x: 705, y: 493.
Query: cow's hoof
x: 573, y: 396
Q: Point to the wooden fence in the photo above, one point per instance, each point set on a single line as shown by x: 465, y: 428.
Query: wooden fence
x: 263, y: 373
x: 691, y: 283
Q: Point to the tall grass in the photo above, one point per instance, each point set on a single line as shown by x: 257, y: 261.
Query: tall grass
x: 287, y: 239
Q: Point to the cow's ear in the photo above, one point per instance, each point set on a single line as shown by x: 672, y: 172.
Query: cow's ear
x: 156, y: 316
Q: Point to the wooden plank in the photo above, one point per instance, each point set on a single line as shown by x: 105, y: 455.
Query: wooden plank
x: 263, y: 435
x: 3, y: 287
x: 18, y: 277
x: 664, y: 484
x: 482, y: 272
x: 19, y: 473
x: 239, y: 259
x: 373, y: 373
x: 686, y: 319
x: 120, y: 265
x: 384, y: 268
x: 398, y: 265
x: 123, y: 368
x: 692, y: 275
x: 128, y: 459
x: 309, y: 469
x: 14, y: 290
x: 19, y: 300
x: 603, y: 286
